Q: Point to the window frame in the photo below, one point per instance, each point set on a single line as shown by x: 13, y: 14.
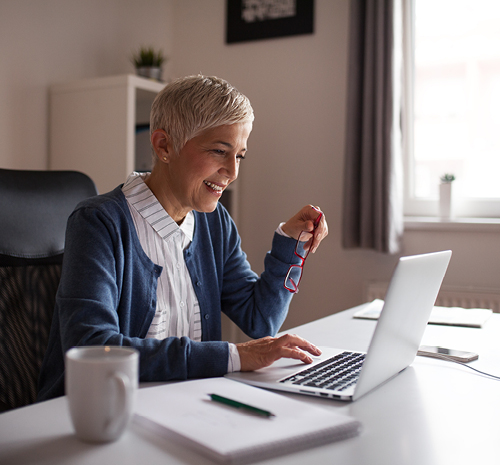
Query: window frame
x: 427, y: 207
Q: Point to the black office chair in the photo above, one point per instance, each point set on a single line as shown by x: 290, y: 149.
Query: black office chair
x: 34, y: 209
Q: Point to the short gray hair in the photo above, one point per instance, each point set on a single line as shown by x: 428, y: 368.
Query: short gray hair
x: 188, y: 106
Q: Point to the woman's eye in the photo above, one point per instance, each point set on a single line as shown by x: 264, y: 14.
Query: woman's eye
x: 224, y: 153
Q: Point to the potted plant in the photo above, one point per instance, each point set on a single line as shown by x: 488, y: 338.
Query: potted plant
x: 148, y: 62
x: 445, y: 196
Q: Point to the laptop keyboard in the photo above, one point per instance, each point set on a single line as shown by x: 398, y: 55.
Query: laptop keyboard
x: 336, y: 373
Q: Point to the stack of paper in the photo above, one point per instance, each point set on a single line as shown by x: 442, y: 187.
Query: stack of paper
x: 185, y: 413
x: 454, y: 316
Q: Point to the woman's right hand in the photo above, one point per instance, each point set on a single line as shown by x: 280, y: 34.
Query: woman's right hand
x: 260, y: 353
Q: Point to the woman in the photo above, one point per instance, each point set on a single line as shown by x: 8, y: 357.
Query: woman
x: 153, y: 263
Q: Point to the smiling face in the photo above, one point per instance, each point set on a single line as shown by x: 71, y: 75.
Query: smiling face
x: 195, y: 178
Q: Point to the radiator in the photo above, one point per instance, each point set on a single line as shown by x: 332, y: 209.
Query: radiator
x: 449, y: 296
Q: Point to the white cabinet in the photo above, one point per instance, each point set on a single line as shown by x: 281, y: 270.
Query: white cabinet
x: 97, y: 126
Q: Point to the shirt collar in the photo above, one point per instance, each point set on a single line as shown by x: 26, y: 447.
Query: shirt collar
x: 140, y: 197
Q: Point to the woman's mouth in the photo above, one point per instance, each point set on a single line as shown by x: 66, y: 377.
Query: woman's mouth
x: 214, y: 187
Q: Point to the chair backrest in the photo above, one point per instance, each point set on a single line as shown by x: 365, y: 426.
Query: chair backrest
x: 34, y: 209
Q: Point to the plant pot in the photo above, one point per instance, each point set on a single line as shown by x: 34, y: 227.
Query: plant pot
x: 151, y: 72
x: 445, y: 201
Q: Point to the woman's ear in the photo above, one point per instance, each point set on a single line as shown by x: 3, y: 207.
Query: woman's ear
x: 161, y: 145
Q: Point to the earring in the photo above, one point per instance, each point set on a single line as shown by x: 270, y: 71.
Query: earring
x: 164, y: 158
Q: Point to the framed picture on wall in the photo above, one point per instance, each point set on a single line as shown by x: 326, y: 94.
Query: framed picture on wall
x: 264, y: 19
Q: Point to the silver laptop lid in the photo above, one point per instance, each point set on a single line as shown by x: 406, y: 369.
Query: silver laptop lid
x: 407, y: 307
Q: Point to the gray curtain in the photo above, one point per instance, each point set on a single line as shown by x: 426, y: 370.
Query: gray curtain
x: 372, y: 210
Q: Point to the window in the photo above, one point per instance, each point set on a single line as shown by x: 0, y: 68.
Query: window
x: 452, y: 63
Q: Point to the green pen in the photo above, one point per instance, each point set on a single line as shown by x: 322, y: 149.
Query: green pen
x: 236, y: 404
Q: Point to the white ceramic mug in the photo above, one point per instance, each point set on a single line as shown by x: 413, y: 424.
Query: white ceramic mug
x: 101, y: 386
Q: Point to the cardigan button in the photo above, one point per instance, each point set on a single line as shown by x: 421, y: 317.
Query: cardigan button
x: 207, y: 316
x: 198, y: 283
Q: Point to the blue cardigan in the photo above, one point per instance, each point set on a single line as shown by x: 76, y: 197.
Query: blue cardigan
x: 107, y: 293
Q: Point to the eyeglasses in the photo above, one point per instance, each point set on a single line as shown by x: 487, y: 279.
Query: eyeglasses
x: 294, y: 274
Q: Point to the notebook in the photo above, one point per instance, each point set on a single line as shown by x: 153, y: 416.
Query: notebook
x: 183, y: 412
x: 450, y: 316
x: 346, y: 375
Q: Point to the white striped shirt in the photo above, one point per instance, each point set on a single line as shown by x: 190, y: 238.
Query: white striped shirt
x: 164, y: 241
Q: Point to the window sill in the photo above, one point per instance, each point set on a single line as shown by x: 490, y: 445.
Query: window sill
x: 428, y: 223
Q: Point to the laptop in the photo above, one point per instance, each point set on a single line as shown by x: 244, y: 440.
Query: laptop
x: 347, y: 375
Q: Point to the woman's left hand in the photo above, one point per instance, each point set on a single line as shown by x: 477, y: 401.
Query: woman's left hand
x: 304, y: 220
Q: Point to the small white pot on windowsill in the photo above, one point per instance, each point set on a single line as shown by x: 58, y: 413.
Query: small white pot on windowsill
x: 446, y: 197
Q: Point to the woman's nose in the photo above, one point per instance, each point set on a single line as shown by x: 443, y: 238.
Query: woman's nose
x: 231, y: 168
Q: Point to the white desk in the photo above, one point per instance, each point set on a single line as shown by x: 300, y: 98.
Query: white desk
x: 434, y: 412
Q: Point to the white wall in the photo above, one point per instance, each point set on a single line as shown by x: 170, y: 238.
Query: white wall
x: 297, y: 86
x: 43, y: 42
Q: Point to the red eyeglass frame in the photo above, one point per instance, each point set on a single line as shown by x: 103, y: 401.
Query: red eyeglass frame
x: 295, y: 287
